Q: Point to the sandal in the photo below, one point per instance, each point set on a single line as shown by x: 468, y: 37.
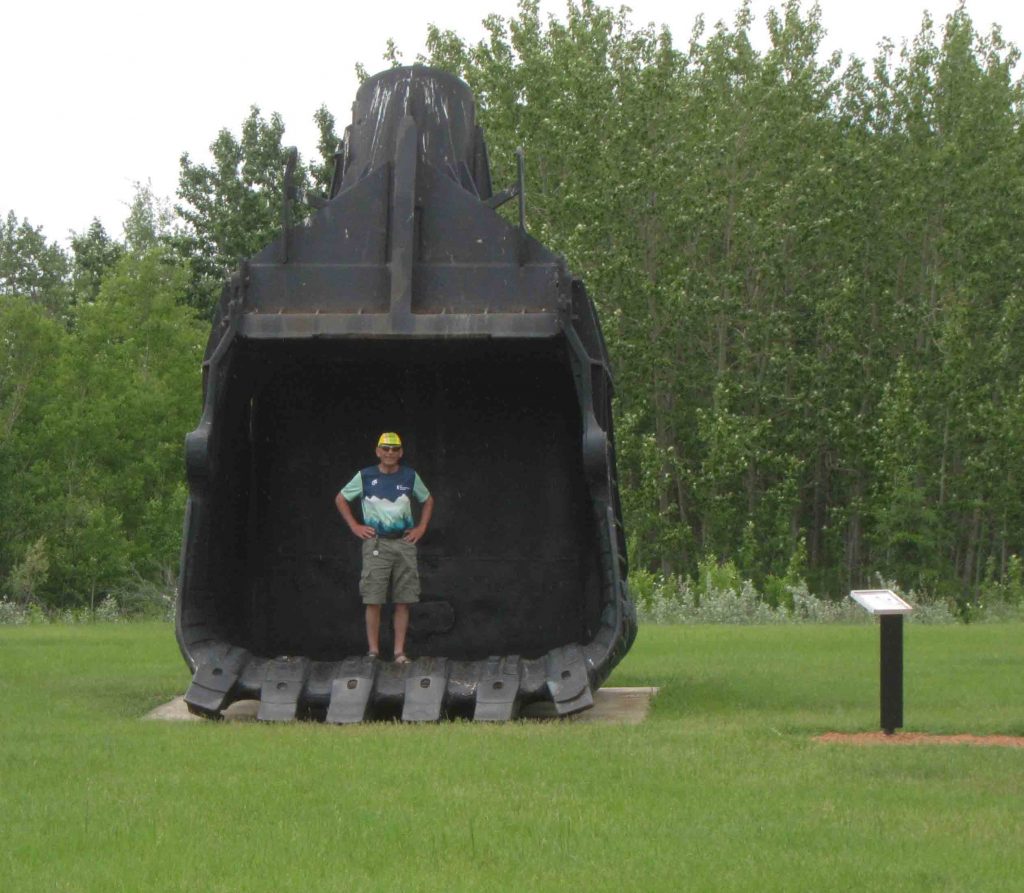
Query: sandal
x: 402, y: 659
x: 372, y: 655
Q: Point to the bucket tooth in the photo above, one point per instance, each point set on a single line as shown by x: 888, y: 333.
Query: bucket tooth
x: 568, y: 680
x: 497, y: 692
x: 214, y: 681
x: 282, y: 687
x: 426, y: 682
x: 351, y: 690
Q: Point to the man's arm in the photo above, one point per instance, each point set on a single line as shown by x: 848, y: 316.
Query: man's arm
x: 363, y: 531
x: 416, y: 534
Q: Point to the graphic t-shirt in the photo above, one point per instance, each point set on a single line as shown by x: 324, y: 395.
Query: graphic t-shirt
x: 385, y: 497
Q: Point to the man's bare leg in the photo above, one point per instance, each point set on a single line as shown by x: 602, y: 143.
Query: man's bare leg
x: 401, y: 625
x: 373, y: 628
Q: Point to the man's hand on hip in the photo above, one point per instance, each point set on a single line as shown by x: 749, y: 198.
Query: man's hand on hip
x: 414, y: 535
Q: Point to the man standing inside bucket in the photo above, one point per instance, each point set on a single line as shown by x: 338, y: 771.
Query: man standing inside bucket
x: 389, y: 537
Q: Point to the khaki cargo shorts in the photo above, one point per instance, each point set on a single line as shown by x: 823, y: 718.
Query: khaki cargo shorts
x: 394, y: 565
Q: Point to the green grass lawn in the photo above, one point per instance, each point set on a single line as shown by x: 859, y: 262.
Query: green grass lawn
x: 722, y: 788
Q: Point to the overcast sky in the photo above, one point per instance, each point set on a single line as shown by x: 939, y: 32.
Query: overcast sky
x: 100, y: 94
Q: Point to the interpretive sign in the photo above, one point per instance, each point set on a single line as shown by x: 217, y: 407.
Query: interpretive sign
x: 880, y: 601
x: 889, y: 608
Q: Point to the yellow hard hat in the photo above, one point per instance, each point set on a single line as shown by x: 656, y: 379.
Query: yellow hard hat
x: 389, y: 438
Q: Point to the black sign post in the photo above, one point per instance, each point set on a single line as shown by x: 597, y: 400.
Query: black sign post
x: 891, y: 672
x: 890, y: 609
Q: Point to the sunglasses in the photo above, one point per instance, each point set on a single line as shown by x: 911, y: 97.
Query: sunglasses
x: 390, y: 449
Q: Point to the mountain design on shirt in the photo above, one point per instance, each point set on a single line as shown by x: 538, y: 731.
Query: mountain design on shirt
x: 385, y: 497
x: 386, y: 516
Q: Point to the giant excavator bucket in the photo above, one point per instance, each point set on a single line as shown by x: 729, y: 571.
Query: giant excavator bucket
x: 405, y: 303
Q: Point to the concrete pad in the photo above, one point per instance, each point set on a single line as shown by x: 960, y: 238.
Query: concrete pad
x: 624, y: 706
x: 174, y: 710
x: 177, y: 711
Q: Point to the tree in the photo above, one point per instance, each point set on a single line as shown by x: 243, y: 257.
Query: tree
x: 31, y: 266
x: 134, y: 369
x: 95, y: 255
x: 232, y: 208
x: 98, y: 471
x: 30, y: 573
x: 29, y: 341
x: 783, y: 250
x: 327, y: 146
x: 31, y: 344
x: 150, y: 222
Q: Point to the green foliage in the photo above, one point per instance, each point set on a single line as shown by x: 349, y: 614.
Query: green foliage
x: 807, y: 278
x: 807, y: 270
x: 1001, y: 595
x: 135, y: 351
x: 30, y: 573
x: 327, y: 146
x: 231, y: 208
x: 29, y: 338
x: 32, y: 267
x: 150, y: 222
x: 720, y: 594
x: 715, y: 576
x: 93, y: 419
x: 95, y: 255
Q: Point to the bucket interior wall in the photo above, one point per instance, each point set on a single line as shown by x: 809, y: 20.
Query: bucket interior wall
x: 510, y: 563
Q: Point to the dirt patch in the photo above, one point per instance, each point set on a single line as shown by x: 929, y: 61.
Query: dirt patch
x: 869, y: 738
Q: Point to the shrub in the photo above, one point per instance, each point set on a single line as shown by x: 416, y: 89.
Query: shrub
x: 15, y: 614
x: 141, y: 600
x: 30, y: 573
x: 149, y: 599
x: 720, y: 595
